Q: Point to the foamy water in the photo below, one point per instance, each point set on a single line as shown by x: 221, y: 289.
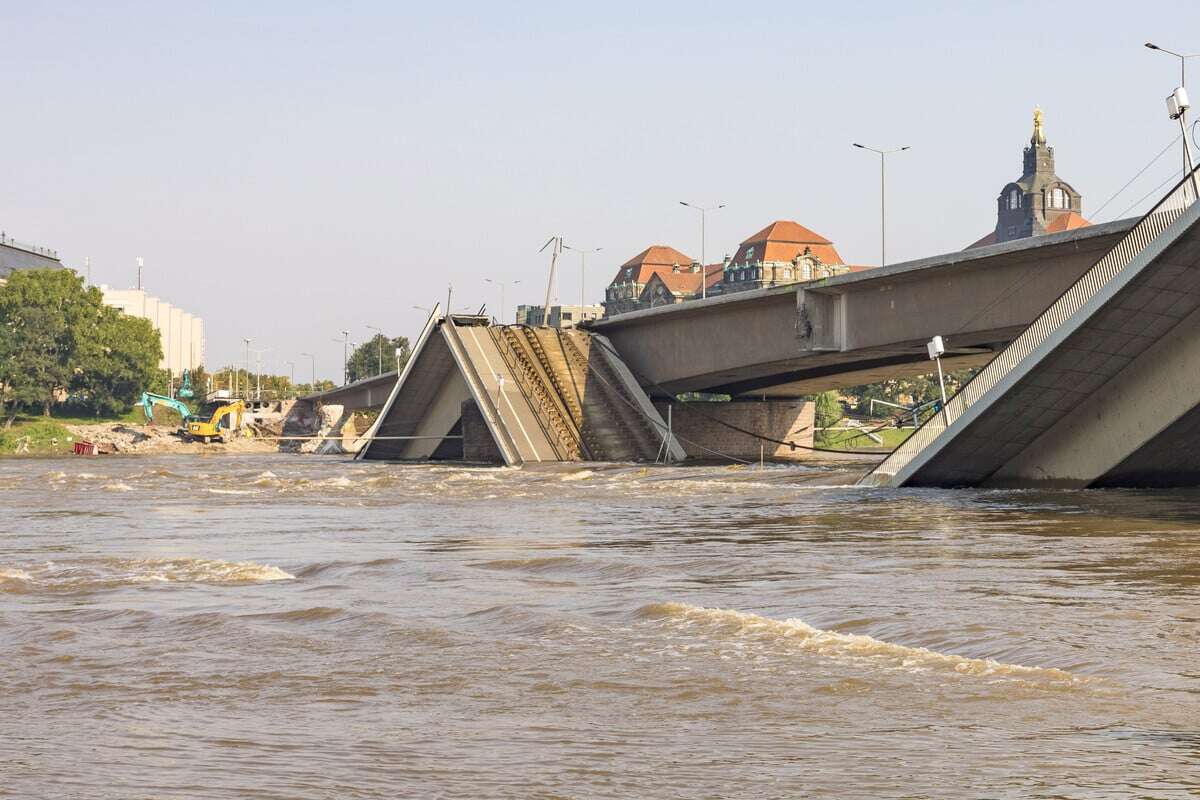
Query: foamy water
x: 308, y: 628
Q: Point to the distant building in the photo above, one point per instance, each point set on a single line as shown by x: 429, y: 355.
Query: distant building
x: 560, y: 316
x: 16, y: 255
x: 624, y: 292
x: 678, y: 285
x: 781, y: 253
x: 1039, y: 202
x: 182, y: 333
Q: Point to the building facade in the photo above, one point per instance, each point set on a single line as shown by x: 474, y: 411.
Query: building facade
x: 678, y: 285
x: 781, y: 253
x: 16, y: 255
x: 1038, y: 202
x: 624, y: 292
x: 560, y: 316
x: 182, y: 333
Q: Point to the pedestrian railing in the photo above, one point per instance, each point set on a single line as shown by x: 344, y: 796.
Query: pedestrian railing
x: 1121, y: 256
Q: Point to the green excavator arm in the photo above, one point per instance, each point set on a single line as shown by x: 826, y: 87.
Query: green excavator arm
x: 149, y: 401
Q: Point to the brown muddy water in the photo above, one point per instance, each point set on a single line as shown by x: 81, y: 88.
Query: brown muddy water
x: 299, y: 627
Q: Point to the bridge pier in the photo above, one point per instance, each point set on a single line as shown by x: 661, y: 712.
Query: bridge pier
x: 706, y: 427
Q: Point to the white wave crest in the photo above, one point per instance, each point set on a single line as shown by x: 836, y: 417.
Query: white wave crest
x: 14, y: 575
x: 844, y: 646
x: 112, y: 573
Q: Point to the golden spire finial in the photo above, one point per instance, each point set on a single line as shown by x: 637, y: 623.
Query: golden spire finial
x: 1039, y: 133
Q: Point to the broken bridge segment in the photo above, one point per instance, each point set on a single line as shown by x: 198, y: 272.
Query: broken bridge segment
x: 515, y: 394
x: 1102, y: 389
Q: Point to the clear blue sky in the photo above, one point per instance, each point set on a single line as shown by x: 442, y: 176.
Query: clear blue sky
x: 293, y: 170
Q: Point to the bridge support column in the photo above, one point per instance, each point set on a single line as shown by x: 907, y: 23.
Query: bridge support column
x: 785, y: 420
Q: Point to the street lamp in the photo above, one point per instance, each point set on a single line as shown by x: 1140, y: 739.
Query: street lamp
x: 247, y: 342
x: 313, y: 387
x: 883, y: 154
x: 258, y: 372
x: 583, y: 254
x: 345, y: 357
x: 379, y: 347
x: 1181, y: 114
x: 703, y: 264
x: 501, y: 284
x: 291, y: 372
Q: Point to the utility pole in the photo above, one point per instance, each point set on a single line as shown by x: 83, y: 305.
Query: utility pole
x: 703, y: 261
x: 291, y: 372
x: 883, y: 154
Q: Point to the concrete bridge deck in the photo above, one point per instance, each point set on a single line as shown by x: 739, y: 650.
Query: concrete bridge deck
x: 857, y: 328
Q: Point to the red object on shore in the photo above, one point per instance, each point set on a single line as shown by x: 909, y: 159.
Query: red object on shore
x: 83, y: 448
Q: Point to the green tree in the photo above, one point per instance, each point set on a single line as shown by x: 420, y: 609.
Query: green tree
x: 829, y: 410
x: 56, y: 335
x: 117, y: 359
x: 376, y: 356
x: 39, y: 311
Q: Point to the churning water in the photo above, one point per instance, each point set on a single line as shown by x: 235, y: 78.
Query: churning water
x: 303, y: 627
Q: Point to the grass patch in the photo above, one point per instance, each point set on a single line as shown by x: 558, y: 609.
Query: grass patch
x: 857, y: 440
x: 36, y: 437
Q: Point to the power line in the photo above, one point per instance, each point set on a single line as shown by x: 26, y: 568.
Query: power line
x: 1141, y: 172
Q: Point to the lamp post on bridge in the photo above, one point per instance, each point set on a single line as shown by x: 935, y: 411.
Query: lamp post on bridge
x: 345, y: 357
x: 703, y: 265
x: 1179, y: 110
x: 501, y: 284
x: 313, y: 386
x: 583, y: 254
x: 883, y: 154
x: 379, y: 348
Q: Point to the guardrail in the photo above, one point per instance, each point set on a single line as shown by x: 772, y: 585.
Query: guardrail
x: 1157, y: 220
x: 8, y: 241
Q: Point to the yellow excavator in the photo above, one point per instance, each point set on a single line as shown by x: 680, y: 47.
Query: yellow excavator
x: 219, y: 419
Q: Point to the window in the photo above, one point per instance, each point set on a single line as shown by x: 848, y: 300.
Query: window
x: 1058, y: 198
x: 566, y: 315
x: 1014, y: 198
x: 787, y: 273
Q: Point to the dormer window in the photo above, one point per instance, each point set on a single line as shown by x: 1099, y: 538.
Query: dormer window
x: 1014, y: 199
x: 1058, y: 198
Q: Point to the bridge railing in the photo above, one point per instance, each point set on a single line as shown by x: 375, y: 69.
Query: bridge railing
x: 8, y: 241
x: 1159, y: 218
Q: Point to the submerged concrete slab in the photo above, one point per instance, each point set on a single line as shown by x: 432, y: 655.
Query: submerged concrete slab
x: 1090, y: 385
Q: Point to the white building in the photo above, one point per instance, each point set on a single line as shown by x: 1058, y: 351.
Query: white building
x: 560, y: 316
x: 182, y: 333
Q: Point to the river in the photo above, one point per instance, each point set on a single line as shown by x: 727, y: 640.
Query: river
x: 305, y: 627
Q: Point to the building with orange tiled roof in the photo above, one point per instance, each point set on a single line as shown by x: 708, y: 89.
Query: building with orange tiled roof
x: 1039, y: 202
x: 678, y: 285
x: 625, y: 291
x: 781, y: 253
